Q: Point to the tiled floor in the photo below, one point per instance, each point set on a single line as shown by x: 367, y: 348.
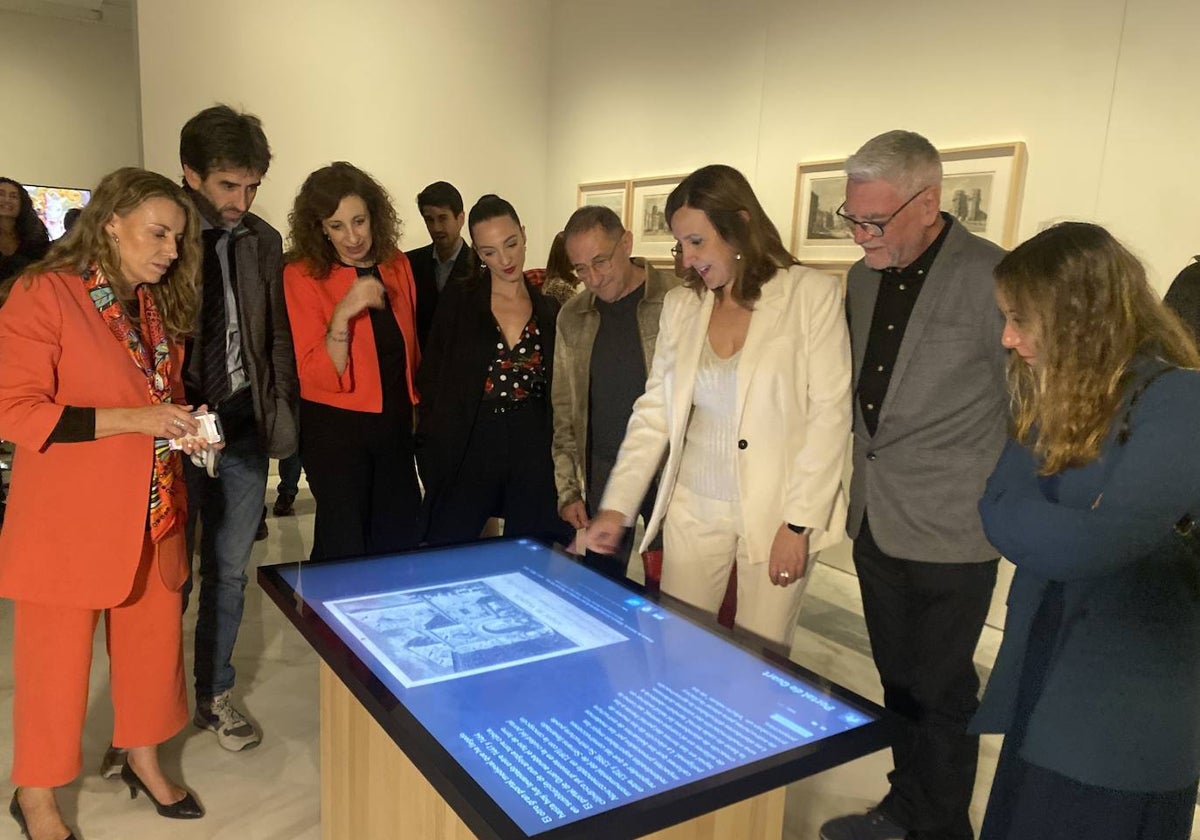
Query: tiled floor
x: 273, y: 792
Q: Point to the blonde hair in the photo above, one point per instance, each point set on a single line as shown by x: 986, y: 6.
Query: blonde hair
x: 1087, y: 303
x: 87, y: 244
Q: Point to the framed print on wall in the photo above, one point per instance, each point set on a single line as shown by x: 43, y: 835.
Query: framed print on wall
x: 818, y: 234
x: 652, y: 238
x: 611, y: 194
x: 982, y: 187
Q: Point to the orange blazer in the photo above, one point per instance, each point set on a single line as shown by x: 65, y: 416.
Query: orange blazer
x: 76, y: 515
x: 310, y: 304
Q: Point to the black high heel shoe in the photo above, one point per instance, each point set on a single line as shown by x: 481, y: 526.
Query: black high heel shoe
x: 19, y: 816
x: 185, y: 809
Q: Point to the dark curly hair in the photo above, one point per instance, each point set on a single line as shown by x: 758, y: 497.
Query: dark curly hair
x: 32, y: 238
x: 319, y: 198
x: 725, y: 196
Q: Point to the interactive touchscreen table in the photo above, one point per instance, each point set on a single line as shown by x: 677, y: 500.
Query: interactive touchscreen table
x: 501, y: 690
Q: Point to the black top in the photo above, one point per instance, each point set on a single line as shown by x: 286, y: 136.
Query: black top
x: 389, y: 347
x: 617, y: 376
x: 898, y: 291
x: 1184, y: 297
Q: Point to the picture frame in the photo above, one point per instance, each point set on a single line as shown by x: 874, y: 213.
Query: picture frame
x: 611, y: 194
x: 652, y: 238
x: 982, y: 187
x: 818, y: 235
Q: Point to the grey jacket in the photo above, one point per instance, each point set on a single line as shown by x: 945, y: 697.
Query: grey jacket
x: 267, y: 352
x: 578, y: 322
x: 944, y: 419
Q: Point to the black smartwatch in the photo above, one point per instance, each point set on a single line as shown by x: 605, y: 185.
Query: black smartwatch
x: 798, y: 529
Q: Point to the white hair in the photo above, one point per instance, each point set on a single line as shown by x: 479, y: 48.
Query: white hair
x: 902, y: 158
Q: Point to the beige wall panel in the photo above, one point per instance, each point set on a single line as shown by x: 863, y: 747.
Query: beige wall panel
x: 413, y: 92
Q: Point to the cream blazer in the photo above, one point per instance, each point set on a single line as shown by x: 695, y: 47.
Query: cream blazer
x: 793, y: 410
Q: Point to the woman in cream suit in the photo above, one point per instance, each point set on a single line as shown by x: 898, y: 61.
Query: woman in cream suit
x: 749, y: 397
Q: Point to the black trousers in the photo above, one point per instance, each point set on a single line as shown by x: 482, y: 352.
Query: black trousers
x: 924, y: 621
x: 507, y: 472
x: 1032, y: 803
x: 363, y: 478
x: 615, y: 565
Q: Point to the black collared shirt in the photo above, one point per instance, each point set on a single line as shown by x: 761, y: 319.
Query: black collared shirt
x: 898, y: 291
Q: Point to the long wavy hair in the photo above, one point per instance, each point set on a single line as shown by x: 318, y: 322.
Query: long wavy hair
x: 87, y: 244
x: 32, y: 236
x: 1086, y: 302
x: 725, y: 196
x: 319, y: 198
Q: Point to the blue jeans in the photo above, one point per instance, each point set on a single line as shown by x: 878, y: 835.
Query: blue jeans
x: 289, y: 475
x: 228, y: 509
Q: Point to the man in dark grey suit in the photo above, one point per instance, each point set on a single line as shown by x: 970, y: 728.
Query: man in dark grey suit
x: 444, y: 259
x: 929, y: 423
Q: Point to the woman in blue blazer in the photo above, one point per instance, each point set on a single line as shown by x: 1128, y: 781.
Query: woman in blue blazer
x: 1097, y: 683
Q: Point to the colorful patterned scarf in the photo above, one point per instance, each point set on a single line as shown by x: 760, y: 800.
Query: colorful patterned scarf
x: 166, y: 506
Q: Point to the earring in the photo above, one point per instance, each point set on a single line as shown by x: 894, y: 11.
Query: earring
x: 738, y: 257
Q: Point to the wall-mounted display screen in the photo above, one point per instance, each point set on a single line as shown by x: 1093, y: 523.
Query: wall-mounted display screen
x: 52, y: 203
x: 561, y: 693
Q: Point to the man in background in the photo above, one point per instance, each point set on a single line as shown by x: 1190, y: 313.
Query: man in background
x: 930, y: 414
x: 444, y: 259
x: 602, y: 353
x: 242, y: 366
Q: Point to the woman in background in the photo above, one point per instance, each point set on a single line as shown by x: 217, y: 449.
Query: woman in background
x: 485, y: 424
x: 351, y: 302
x: 561, y: 282
x: 90, y: 392
x: 749, y: 399
x: 1097, y: 682
x: 23, y: 237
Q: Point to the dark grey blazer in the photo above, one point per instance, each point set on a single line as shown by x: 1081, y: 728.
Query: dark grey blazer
x: 424, y: 269
x: 944, y: 419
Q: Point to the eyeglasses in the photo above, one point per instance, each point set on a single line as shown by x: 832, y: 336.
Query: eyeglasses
x: 599, y: 264
x: 874, y: 229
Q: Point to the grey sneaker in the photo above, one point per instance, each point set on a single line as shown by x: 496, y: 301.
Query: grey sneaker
x: 114, y: 759
x: 234, y: 731
x: 873, y: 825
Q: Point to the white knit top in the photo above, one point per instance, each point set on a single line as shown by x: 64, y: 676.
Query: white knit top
x: 707, y: 466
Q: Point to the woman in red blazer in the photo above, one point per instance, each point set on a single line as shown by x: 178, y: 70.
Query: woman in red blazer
x: 90, y: 392
x: 351, y: 302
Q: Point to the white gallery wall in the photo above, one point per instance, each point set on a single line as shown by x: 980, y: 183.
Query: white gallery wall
x: 1101, y: 91
x: 412, y: 92
x: 69, y: 99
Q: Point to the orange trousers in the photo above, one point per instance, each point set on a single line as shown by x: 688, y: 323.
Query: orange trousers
x: 52, y: 660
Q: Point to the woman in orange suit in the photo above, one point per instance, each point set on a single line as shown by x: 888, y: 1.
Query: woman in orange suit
x: 90, y: 392
x: 351, y: 302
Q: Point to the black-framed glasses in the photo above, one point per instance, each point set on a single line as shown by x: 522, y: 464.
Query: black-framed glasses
x: 599, y: 264
x: 874, y: 228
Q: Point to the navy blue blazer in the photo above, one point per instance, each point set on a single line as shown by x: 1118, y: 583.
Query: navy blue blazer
x: 1120, y: 707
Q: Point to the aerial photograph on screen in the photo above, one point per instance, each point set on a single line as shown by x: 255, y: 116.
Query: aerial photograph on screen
x: 436, y: 633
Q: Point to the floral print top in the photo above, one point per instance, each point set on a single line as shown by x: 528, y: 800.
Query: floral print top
x: 516, y: 374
